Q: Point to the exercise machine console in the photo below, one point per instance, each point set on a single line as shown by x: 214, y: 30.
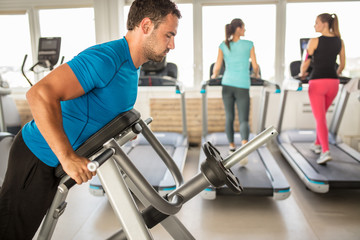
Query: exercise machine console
x: 48, y: 55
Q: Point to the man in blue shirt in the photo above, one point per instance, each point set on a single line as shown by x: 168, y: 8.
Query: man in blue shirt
x: 73, y: 102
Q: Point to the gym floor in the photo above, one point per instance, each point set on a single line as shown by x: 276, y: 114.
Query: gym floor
x: 304, y: 215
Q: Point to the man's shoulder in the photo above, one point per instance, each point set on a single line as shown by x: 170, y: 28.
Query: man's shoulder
x: 118, y: 45
x: 116, y: 50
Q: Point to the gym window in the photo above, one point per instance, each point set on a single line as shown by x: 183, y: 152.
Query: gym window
x: 300, y: 25
x: 14, y: 43
x: 260, y: 31
x: 74, y: 39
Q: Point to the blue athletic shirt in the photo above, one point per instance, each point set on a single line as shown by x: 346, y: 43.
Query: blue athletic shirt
x: 236, y: 59
x: 110, y: 81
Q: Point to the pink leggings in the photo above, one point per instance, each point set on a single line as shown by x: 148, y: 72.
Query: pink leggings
x: 321, y: 93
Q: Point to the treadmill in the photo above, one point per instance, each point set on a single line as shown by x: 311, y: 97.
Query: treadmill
x: 261, y: 176
x: 344, y: 170
x: 142, y: 154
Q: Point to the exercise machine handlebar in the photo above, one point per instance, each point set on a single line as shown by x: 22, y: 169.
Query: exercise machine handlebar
x: 32, y: 68
x: 113, y: 150
x: 217, y: 81
x: 23, y: 72
x: 98, y: 161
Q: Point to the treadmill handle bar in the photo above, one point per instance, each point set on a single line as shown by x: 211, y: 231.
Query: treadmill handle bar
x: 219, y: 78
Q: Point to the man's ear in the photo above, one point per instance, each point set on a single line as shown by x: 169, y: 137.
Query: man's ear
x: 146, y: 25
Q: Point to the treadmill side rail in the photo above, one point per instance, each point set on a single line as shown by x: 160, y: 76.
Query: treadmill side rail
x: 281, y: 187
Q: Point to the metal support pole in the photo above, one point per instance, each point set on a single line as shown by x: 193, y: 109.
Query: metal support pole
x: 339, y: 111
x: 56, y: 209
x: 283, y: 98
x: 122, y: 201
x: 183, y: 114
x: 204, y: 112
x: 264, y: 100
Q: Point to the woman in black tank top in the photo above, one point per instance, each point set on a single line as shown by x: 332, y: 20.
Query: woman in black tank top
x: 322, y: 53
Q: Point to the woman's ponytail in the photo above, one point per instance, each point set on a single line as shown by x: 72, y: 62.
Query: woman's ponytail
x: 332, y: 21
x: 228, y: 33
x: 230, y: 30
x: 335, y: 25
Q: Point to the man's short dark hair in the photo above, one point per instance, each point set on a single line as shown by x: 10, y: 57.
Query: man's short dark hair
x: 156, y: 10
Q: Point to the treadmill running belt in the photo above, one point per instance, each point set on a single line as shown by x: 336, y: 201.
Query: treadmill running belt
x: 342, y: 170
x: 149, y: 163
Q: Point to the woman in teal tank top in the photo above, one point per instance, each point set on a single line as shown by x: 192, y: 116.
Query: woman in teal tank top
x: 236, y: 53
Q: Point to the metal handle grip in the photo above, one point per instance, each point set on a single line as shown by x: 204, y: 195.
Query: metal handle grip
x: 99, y: 160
